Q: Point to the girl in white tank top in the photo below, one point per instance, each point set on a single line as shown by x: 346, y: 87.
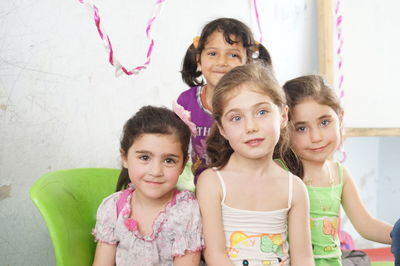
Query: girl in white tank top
x: 253, y: 211
x: 256, y: 236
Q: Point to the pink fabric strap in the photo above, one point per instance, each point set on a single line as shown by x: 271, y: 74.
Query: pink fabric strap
x: 122, y: 200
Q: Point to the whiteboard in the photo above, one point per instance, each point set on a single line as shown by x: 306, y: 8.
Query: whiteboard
x: 371, y: 63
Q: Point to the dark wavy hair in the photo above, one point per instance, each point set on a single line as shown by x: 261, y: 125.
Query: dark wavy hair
x: 151, y: 120
x: 229, y: 27
x: 311, y: 86
x: 218, y: 148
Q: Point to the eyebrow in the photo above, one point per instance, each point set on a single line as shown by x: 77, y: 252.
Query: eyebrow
x: 215, y: 48
x: 319, y: 118
x: 164, y: 155
x: 254, y: 106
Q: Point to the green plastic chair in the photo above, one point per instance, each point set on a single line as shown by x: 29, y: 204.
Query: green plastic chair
x: 68, y: 201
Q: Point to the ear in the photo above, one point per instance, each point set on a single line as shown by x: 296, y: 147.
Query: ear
x: 341, y: 115
x: 198, y: 63
x: 284, y: 116
x: 221, y: 130
x: 184, y: 164
x: 124, y: 158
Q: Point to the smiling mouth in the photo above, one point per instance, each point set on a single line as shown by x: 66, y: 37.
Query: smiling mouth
x: 318, y: 149
x: 153, y: 182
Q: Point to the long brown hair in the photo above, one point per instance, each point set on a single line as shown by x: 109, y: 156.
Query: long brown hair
x: 310, y: 86
x: 218, y: 148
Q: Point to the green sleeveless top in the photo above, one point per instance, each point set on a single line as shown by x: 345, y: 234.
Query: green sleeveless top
x: 324, y: 214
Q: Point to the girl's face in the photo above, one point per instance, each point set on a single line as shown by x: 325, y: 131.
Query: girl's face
x: 154, y: 163
x: 251, y: 123
x: 218, y: 57
x: 316, y: 131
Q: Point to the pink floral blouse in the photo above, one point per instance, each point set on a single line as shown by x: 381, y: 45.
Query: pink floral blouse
x: 176, y: 230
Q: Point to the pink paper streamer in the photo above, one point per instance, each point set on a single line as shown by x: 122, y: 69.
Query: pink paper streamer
x: 119, y: 69
x: 339, y: 19
x: 258, y: 20
x: 338, y: 24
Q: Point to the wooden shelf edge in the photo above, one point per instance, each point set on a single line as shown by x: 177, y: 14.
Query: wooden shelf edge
x: 371, y: 132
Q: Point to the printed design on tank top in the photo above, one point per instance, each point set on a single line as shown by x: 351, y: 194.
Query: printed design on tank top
x: 267, y: 243
x: 328, y: 226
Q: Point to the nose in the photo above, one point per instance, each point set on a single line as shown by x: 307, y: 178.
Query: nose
x: 222, y: 61
x: 156, y: 169
x: 315, y: 135
x: 251, y: 125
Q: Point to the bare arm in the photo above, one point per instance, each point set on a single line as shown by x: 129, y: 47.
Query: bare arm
x: 189, y: 259
x: 209, y: 194
x: 366, y: 225
x: 299, y: 227
x: 105, y: 254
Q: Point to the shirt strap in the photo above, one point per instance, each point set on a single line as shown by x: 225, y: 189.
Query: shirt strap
x: 122, y: 200
x: 340, y: 166
x: 222, y: 184
x: 291, y: 176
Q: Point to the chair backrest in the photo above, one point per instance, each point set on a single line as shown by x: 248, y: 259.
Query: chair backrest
x: 68, y: 201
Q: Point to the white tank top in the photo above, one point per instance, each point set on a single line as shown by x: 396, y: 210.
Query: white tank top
x: 256, y: 237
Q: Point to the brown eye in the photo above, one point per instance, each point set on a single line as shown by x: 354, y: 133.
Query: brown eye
x: 170, y: 161
x: 144, y: 157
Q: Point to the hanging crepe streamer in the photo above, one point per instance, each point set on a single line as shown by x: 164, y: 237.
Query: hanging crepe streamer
x: 119, y: 69
x: 338, y: 24
x: 339, y: 19
x: 258, y: 20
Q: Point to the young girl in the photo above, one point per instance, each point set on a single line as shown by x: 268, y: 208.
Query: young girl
x: 316, y: 116
x: 248, y: 202
x: 224, y: 43
x: 150, y: 222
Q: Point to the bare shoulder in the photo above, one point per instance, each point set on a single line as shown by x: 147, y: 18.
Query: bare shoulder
x: 348, y: 182
x: 297, y: 182
x: 299, y: 188
x: 206, y: 177
x: 208, y: 183
x: 346, y: 173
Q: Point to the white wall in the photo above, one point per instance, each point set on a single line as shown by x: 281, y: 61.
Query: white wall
x: 373, y: 163
x: 363, y: 163
x: 388, y: 182
x: 62, y: 107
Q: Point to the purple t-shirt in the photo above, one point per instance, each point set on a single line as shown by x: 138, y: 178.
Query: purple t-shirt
x: 202, y: 118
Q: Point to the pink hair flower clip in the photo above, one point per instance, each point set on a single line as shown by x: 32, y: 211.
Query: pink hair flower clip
x: 185, y: 116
